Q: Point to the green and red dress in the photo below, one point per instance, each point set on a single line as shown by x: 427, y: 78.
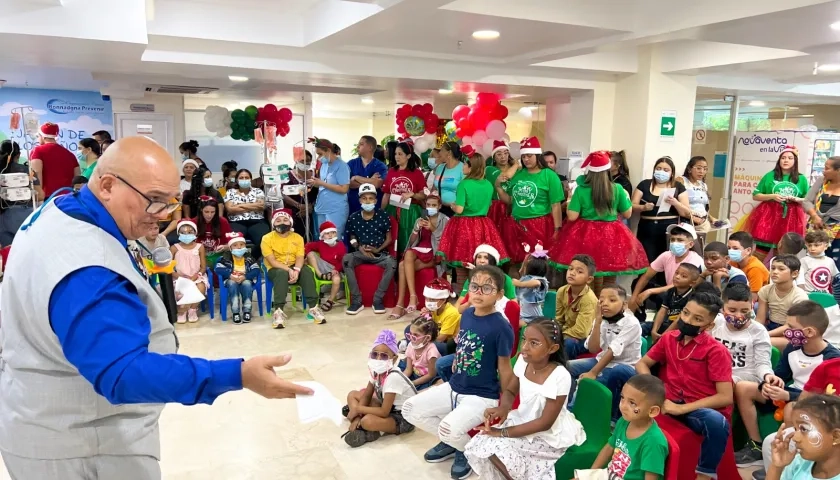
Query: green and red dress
x: 471, y: 228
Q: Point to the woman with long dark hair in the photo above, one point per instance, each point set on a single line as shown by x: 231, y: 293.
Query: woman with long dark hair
x: 212, y: 228
x: 781, y: 192
x: 620, y: 172
x: 12, y: 214
x: 201, y: 186
x: 246, y: 209
x: 653, y: 223
x: 405, y: 183
x: 694, y: 178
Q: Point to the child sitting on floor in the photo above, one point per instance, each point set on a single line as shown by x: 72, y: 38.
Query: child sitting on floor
x: 190, y: 262
x: 697, y: 372
x: 617, y: 339
x: 673, y: 301
x: 718, y: 271
x: 371, y: 415
x: 527, y: 442
x: 484, y: 255
x: 447, y: 318
x: 816, y: 422
x: 324, y: 257
x: 817, y: 271
x: 238, y: 271
x: 637, y: 449
x: 532, y: 285
x: 421, y: 353
x: 481, y: 367
x: 576, y: 305
x: 774, y: 300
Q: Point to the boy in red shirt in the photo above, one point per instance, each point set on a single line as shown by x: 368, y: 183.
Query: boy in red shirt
x: 53, y: 164
x: 325, y: 257
x: 697, y: 372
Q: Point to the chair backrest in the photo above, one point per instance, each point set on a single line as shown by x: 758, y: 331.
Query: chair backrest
x: 512, y: 314
x: 645, y: 345
x: 550, y: 304
x: 395, y: 230
x: 825, y: 300
x: 593, y: 408
x: 775, y: 356
x: 672, y: 464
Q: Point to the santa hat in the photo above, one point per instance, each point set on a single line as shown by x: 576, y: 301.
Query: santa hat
x: 467, y: 150
x: 281, y: 212
x: 438, y: 289
x: 49, y: 130
x: 327, y: 227
x: 186, y: 222
x: 234, y: 237
x: 538, y: 250
x: 499, y: 145
x: 489, y: 250
x: 189, y: 161
x: 597, y: 162
x: 530, y: 145
x: 788, y: 148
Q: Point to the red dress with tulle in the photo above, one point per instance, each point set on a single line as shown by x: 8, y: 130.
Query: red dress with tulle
x: 465, y: 232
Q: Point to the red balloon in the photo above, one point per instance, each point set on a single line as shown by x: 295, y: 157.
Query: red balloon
x: 283, y: 129
x: 478, y: 119
x: 459, y: 132
x: 433, y: 119
x: 270, y: 108
x: 466, y: 127
x: 486, y: 98
x: 285, y: 115
x: 401, y: 129
x: 431, y: 127
x: 428, y: 109
x: 417, y: 110
x: 500, y: 112
x: 404, y: 111
x: 460, y: 112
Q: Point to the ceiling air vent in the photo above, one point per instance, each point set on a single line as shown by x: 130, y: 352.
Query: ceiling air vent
x: 180, y: 89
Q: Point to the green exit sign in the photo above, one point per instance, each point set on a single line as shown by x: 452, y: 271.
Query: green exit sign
x: 667, y: 124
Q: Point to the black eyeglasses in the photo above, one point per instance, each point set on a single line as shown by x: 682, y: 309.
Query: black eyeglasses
x: 485, y: 289
x: 154, y: 207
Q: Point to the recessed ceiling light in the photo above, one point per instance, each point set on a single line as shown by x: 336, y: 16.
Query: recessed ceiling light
x: 444, y: 91
x: 756, y: 103
x: 485, y: 34
x: 792, y: 108
x: 806, y: 116
x: 835, y: 26
x: 367, y: 100
x: 237, y: 78
x: 829, y: 67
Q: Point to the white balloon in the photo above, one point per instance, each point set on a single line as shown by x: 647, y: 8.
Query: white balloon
x: 479, y: 137
x: 514, y: 150
x: 506, y: 138
x: 487, y: 148
x: 467, y: 140
x: 421, y: 145
x: 495, y: 129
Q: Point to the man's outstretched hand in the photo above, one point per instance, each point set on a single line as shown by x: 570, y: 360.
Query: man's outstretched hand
x: 258, y: 376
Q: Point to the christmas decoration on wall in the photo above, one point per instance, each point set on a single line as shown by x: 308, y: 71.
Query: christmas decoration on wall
x: 241, y: 124
x: 418, y: 123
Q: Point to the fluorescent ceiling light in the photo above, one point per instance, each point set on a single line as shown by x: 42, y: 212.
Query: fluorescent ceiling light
x: 756, y: 103
x: 485, y: 34
x: 829, y: 67
x: 806, y: 116
x: 367, y: 100
x: 835, y: 26
x: 792, y: 108
x: 444, y: 91
x: 237, y: 78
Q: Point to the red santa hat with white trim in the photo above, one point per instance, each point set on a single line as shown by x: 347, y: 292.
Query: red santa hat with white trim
x: 186, y: 222
x: 467, y: 151
x: 499, y: 145
x: 234, y: 237
x: 597, y: 162
x: 49, y: 130
x: 530, y: 146
x: 791, y: 149
x: 281, y: 212
x: 437, y: 289
x: 489, y: 250
x: 326, y: 228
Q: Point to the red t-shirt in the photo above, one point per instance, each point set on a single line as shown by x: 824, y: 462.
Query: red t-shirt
x: 211, y: 242
x: 332, y: 255
x: 59, y: 166
x: 399, y: 181
x: 826, y: 374
x: 691, y: 371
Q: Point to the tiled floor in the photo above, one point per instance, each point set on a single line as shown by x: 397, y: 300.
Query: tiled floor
x: 245, y: 437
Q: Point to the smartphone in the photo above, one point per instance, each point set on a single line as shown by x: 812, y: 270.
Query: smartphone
x: 425, y: 214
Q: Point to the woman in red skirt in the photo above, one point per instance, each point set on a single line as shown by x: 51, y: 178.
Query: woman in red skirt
x: 504, y: 166
x: 781, y: 193
x: 470, y: 226
x: 593, y: 227
x: 535, y: 195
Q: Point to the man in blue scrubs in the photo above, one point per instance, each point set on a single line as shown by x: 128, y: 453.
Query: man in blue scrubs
x: 365, y: 169
x: 87, y: 354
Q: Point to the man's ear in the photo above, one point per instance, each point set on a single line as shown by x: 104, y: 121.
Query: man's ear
x: 106, y: 184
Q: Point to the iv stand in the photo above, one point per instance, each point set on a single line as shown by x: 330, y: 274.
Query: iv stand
x: 22, y: 127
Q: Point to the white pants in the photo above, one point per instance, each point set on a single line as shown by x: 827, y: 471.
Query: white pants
x: 100, y: 467
x: 449, y: 415
x: 767, y: 447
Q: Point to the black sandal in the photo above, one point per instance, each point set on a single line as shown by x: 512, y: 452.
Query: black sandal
x: 327, y: 306
x: 327, y: 277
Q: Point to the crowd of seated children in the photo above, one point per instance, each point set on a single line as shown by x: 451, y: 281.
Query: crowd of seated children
x: 324, y: 256
x: 421, y: 354
x: 379, y: 407
x: 484, y: 255
x: 673, y: 301
x: 532, y: 284
x: 719, y: 272
x: 775, y: 299
x: 616, y: 337
x: 682, y: 237
x: 481, y: 367
x: 741, y: 247
x: 818, y: 271
x: 238, y: 271
x: 637, y: 450
x: 527, y: 441
x: 576, y: 305
x: 697, y: 373
x: 806, y: 323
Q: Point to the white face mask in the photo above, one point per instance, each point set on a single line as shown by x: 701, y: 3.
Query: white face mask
x: 431, y: 306
x: 418, y: 346
x: 379, y: 366
x: 331, y: 241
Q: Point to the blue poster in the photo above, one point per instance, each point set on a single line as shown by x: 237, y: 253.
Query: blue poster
x: 720, y: 165
x: 78, y: 115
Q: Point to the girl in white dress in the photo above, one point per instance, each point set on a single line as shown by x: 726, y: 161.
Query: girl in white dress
x: 528, y: 441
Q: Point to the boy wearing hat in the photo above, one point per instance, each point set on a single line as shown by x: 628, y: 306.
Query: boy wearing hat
x: 238, y: 271
x: 282, y: 251
x: 53, y: 164
x: 325, y: 256
x: 369, y: 231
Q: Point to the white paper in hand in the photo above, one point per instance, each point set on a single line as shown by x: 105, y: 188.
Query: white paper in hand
x: 191, y: 293
x: 397, y: 201
x: 662, y: 203
x: 321, y: 404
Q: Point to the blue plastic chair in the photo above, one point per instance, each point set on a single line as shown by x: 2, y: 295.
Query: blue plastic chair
x: 210, y: 300
x: 294, y: 289
x: 223, y: 296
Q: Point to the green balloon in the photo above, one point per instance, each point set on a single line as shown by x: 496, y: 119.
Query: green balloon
x: 251, y: 111
x: 238, y: 115
x: 425, y: 158
x: 235, y: 135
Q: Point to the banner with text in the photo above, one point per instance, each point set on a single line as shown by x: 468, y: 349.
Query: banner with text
x: 756, y: 153
x: 78, y: 115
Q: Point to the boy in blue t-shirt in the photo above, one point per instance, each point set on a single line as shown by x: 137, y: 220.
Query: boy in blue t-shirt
x: 482, y: 365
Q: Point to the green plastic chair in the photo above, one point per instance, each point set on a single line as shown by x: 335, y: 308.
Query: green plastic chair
x: 550, y: 304
x: 825, y: 300
x: 775, y: 356
x: 328, y: 283
x: 645, y: 345
x: 593, y: 406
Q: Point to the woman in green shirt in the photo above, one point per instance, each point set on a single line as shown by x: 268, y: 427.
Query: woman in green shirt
x: 593, y: 214
x: 781, y: 193
x: 90, y: 150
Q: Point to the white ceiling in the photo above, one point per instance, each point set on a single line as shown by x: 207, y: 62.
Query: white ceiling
x: 337, y: 51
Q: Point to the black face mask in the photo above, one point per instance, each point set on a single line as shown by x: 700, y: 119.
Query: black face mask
x: 687, y: 330
x: 283, y: 228
x: 615, y: 317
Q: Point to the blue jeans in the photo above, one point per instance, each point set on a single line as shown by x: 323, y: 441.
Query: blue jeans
x: 444, y: 367
x: 245, y: 289
x: 574, y: 347
x: 714, y: 428
x: 613, y: 377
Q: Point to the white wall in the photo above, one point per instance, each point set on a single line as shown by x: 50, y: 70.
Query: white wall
x: 171, y: 104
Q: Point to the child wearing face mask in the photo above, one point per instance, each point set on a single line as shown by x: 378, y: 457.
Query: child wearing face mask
x: 818, y: 271
x: 806, y: 323
x: 421, y: 353
x: 532, y: 285
x: 378, y: 408
x: 238, y: 271
x: 324, y: 257
x: 816, y: 436
x: 741, y: 247
x: 190, y: 263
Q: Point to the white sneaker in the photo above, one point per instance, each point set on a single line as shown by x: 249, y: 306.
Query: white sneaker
x: 182, y: 317
x: 403, y: 345
x: 279, y: 319
x: 317, y: 315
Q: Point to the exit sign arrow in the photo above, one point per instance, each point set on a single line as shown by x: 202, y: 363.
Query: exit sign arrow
x: 667, y: 124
